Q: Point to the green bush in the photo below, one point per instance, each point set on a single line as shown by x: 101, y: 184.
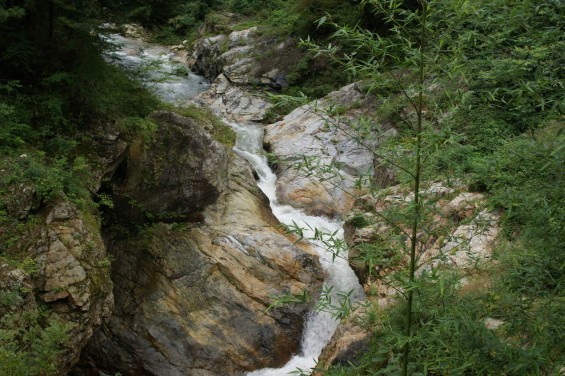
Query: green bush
x: 28, y: 347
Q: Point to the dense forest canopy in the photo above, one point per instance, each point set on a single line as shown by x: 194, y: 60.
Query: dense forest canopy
x: 507, y: 141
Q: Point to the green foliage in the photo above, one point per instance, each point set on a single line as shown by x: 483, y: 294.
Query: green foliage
x: 491, y: 104
x: 452, y: 338
x: 345, y: 13
x: 13, y: 133
x: 514, y: 54
x: 315, y: 76
x: 526, y: 179
x: 138, y: 127
x: 49, y: 178
x: 282, y: 105
x: 29, y: 347
x: 358, y: 221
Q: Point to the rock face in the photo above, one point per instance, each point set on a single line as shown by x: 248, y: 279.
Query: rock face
x: 233, y: 63
x: 74, y: 273
x: 319, y: 161
x: 70, y: 279
x: 64, y: 274
x: 107, y: 150
x: 191, y: 297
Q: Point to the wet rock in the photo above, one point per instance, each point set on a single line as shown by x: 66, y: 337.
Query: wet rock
x: 319, y: 161
x: 349, y: 342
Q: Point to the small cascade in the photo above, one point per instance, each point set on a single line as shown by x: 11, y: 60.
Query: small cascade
x: 320, y: 326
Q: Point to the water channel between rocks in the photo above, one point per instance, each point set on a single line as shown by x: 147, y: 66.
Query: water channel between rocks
x: 161, y: 67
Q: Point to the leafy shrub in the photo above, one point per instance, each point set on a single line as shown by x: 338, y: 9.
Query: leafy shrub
x: 13, y: 133
x: 28, y: 347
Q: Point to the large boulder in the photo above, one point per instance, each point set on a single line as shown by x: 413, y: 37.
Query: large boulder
x: 192, y: 297
x: 173, y: 177
x: 236, y: 64
x: 319, y: 160
x: 235, y: 55
x: 234, y: 102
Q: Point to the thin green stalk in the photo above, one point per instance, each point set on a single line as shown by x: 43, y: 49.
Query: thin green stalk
x: 416, y: 219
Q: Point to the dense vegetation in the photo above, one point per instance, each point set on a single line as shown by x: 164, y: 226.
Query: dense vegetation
x: 56, y: 92
x: 501, y: 63
x: 493, y: 96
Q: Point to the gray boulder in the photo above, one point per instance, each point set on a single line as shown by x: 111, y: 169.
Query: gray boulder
x: 314, y: 135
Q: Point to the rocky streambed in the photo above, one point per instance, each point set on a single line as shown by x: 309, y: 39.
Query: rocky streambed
x: 192, y: 288
x: 179, y: 276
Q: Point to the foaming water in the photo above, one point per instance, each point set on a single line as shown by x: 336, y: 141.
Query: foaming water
x: 169, y: 78
x: 320, y: 325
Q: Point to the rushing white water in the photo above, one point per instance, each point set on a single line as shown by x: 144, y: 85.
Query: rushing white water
x: 320, y: 325
x: 168, y: 77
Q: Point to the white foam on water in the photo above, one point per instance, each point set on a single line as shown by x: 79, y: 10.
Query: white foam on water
x: 159, y: 67
x: 320, y: 325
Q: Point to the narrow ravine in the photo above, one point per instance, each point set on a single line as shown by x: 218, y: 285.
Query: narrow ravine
x: 320, y: 326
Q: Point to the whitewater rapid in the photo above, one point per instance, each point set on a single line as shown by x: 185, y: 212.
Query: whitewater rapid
x: 160, y: 66
x: 157, y: 66
x: 320, y: 325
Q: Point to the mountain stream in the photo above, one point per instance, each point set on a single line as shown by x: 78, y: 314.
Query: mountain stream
x: 161, y: 70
